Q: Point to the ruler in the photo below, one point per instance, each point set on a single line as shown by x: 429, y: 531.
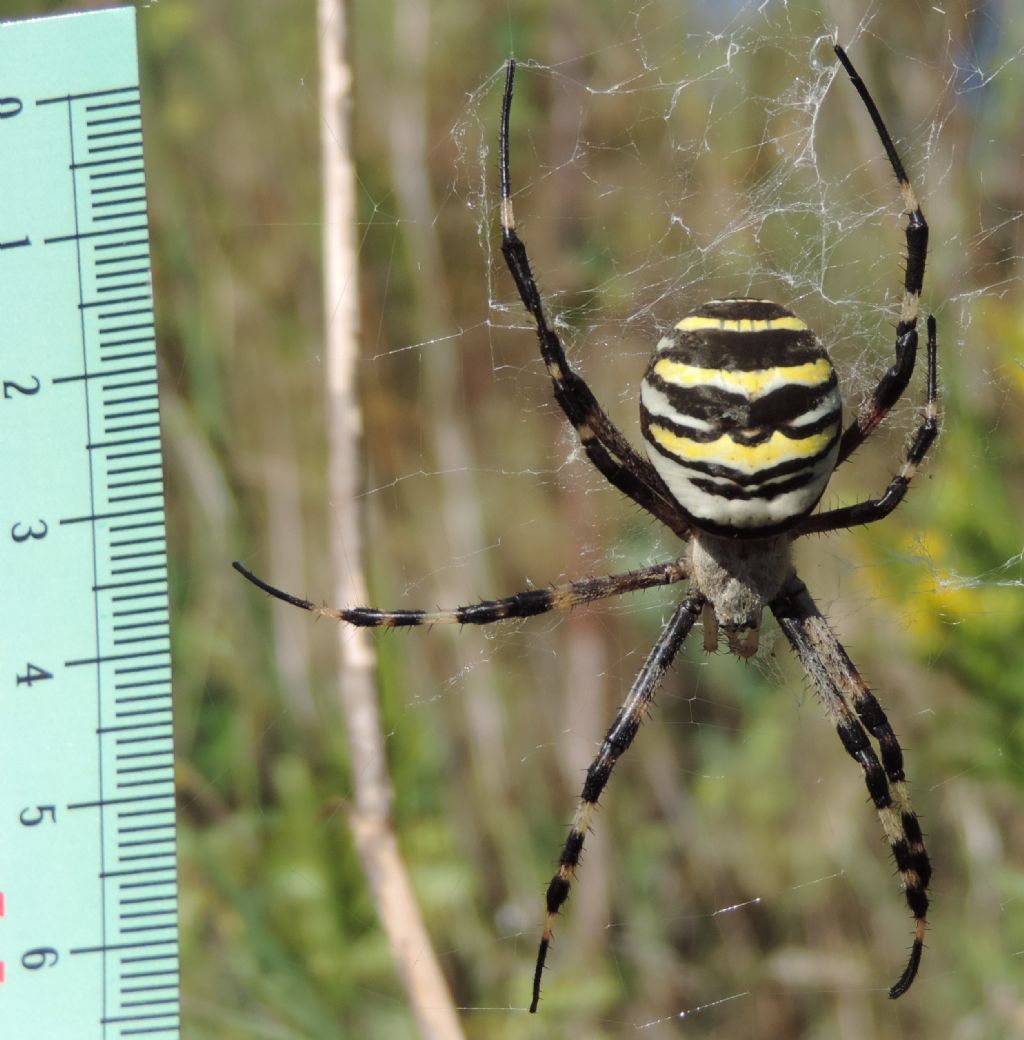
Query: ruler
x: 88, y: 887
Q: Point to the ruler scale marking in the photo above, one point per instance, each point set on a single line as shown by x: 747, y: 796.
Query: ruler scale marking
x: 83, y: 475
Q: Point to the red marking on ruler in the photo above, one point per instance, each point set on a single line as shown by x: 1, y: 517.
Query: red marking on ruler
x: 1, y: 904
x: 1, y: 971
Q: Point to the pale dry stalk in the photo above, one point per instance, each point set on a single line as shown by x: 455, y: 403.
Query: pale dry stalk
x: 369, y: 817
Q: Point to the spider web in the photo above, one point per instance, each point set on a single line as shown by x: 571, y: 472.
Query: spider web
x: 675, y: 157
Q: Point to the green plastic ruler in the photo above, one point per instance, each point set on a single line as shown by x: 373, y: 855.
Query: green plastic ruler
x: 88, y: 887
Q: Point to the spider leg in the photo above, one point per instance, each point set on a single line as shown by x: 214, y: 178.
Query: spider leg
x: 615, y: 744
x: 520, y: 605
x: 892, y: 384
x: 606, y: 447
x: 852, y: 708
x: 879, y: 508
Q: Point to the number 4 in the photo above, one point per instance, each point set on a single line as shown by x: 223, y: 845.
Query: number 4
x: 33, y: 674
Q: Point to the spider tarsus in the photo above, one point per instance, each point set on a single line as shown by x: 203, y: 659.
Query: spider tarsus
x: 542, y: 954
x: 876, y: 117
x: 508, y: 220
x: 909, y: 972
x: 277, y: 593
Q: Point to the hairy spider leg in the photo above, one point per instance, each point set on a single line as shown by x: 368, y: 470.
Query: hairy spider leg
x: 615, y: 744
x: 605, y: 445
x: 520, y: 605
x: 892, y: 384
x: 879, y: 508
x: 852, y: 708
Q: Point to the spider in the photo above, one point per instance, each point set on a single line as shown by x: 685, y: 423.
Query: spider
x: 742, y: 419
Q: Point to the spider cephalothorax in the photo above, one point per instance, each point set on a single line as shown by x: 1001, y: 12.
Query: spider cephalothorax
x: 738, y: 579
x: 742, y: 420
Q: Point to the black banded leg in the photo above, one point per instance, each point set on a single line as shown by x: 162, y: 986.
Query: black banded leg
x: 879, y: 508
x: 604, y: 444
x: 851, y: 706
x: 521, y: 605
x: 891, y: 386
x: 906, y: 838
x: 614, y: 745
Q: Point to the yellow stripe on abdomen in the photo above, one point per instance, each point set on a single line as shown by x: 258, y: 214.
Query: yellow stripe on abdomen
x: 700, y: 323
x: 745, y: 458
x: 752, y: 384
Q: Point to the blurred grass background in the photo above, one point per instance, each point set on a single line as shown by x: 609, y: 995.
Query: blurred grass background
x: 716, y: 165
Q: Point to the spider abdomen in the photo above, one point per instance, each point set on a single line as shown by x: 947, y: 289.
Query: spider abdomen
x: 741, y: 415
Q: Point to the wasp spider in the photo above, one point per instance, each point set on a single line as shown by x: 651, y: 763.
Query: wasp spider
x: 742, y: 420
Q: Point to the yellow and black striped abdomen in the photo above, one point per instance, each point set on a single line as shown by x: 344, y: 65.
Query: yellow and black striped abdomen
x: 741, y: 413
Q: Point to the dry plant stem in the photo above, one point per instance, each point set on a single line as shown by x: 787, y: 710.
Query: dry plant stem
x: 369, y: 817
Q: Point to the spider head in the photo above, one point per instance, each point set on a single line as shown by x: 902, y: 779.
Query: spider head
x: 738, y: 578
